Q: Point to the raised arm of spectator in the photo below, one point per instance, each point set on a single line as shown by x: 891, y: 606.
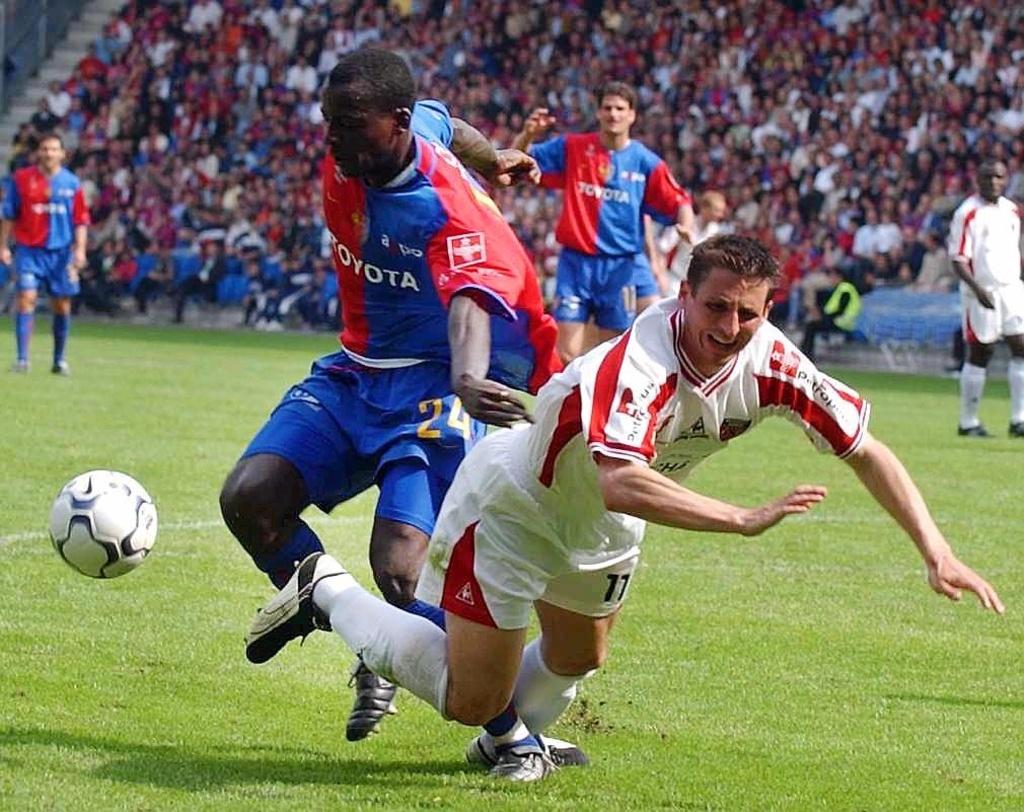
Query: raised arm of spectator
x: 537, y: 123
x: 889, y: 483
x: 502, y: 167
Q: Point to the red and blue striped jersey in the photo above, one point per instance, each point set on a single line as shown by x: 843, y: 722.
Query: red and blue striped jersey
x: 403, y: 250
x: 44, y: 210
x: 606, y: 192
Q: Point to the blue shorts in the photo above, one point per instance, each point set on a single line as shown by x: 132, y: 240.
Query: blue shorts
x: 347, y: 427
x: 44, y: 266
x: 643, y: 278
x: 600, y: 286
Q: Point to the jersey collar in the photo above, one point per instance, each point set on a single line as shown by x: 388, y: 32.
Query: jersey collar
x: 702, y: 384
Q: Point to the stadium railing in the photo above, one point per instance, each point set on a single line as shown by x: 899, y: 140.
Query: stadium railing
x: 903, y: 322
x: 29, y: 30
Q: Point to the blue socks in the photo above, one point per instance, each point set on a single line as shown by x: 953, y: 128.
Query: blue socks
x: 61, y: 327
x: 435, y: 614
x: 280, y: 566
x: 23, y: 323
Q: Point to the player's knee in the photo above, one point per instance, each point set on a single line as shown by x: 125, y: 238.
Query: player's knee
x: 579, y: 663
x: 397, y: 551
x: 474, y: 709
x: 254, y: 505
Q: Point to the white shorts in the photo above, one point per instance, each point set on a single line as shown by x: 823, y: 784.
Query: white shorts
x: 984, y: 326
x: 492, y: 553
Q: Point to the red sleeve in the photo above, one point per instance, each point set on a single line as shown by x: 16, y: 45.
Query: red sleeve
x: 663, y: 195
x: 79, y: 209
x: 626, y: 406
x: 475, y: 250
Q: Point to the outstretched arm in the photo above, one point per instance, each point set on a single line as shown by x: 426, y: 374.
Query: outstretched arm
x: 627, y: 487
x: 538, y: 122
x: 502, y: 167
x: 889, y: 483
x: 469, y: 336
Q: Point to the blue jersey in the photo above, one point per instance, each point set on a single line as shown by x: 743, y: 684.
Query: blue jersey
x: 403, y: 250
x: 607, y: 192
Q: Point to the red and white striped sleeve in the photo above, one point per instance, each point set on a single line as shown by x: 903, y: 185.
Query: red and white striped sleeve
x: 833, y: 416
x: 961, y: 233
x: 628, y: 390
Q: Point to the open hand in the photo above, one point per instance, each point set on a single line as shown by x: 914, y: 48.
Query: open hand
x: 538, y: 122
x: 491, y: 402
x: 949, y: 576
x: 799, y: 500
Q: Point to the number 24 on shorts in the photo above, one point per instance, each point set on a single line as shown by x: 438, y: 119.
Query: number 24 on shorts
x: 458, y: 419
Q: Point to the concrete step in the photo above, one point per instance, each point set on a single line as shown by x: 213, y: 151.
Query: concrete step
x: 92, y: 17
x: 22, y: 111
x: 78, y: 39
x: 60, y: 73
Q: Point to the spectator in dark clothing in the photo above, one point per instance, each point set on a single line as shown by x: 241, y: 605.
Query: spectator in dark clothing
x: 204, y: 283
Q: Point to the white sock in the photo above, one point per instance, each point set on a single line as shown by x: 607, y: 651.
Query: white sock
x: 1015, y: 373
x: 972, y: 384
x: 406, y: 649
x: 541, y: 696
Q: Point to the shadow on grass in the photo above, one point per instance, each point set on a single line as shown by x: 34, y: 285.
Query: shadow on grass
x: 957, y: 701
x: 177, y: 767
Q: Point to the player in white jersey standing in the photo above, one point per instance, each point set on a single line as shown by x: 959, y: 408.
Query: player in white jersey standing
x: 550, y: 517
x: 984, y: 243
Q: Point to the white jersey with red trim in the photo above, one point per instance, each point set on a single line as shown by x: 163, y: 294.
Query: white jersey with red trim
x: 639, y: 398
x: 986, y: 237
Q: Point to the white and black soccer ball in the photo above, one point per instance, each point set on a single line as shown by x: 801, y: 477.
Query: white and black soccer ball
x: 103, y: 524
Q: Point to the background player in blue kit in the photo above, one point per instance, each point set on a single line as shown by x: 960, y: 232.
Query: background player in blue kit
x: 44, y: 208
x: 609, y: 182
x: 442, y: 318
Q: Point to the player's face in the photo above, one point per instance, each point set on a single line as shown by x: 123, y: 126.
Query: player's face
x: 992, y: 180
x: 615, y: 116
x: 50, y: 155
x: 720, y: 316
x: 365, y: 144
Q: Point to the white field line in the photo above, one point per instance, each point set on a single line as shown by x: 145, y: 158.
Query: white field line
x: 201, y: 524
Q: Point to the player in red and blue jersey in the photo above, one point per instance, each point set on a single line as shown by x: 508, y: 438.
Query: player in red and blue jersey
x: 609, y: 182
x: 443, y: 319
x: 44, y: 209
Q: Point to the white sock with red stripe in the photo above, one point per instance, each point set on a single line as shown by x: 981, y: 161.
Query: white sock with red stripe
x: 972, y: 384
x: 1015, y: 374
x: 541, y: 695
x: 401, y: 647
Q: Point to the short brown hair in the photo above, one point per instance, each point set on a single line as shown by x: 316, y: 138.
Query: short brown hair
x: 743, y: 256
x: 620, y: 89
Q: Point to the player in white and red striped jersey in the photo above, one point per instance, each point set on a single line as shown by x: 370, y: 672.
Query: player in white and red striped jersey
x: 984, y: 243
x: 549, y: 518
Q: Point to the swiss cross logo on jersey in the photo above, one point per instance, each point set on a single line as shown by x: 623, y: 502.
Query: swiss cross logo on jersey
x: 627, y: 405
x: 782, y: 360
x: 466, y: 249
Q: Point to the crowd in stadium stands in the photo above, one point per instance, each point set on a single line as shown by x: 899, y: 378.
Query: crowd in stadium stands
x: 843, y: 134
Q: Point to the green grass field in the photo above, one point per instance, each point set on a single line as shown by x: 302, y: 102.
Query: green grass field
x: 808, y: 668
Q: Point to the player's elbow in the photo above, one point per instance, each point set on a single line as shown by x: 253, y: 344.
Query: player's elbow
x: 616, y: 489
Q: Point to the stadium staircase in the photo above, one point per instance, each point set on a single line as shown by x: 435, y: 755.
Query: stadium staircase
x: 60, y: 65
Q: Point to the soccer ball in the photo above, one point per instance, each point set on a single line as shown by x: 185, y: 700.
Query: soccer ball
x: 103, y: 524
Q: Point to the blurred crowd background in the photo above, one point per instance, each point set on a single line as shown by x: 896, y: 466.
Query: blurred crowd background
x: 842, y: 133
